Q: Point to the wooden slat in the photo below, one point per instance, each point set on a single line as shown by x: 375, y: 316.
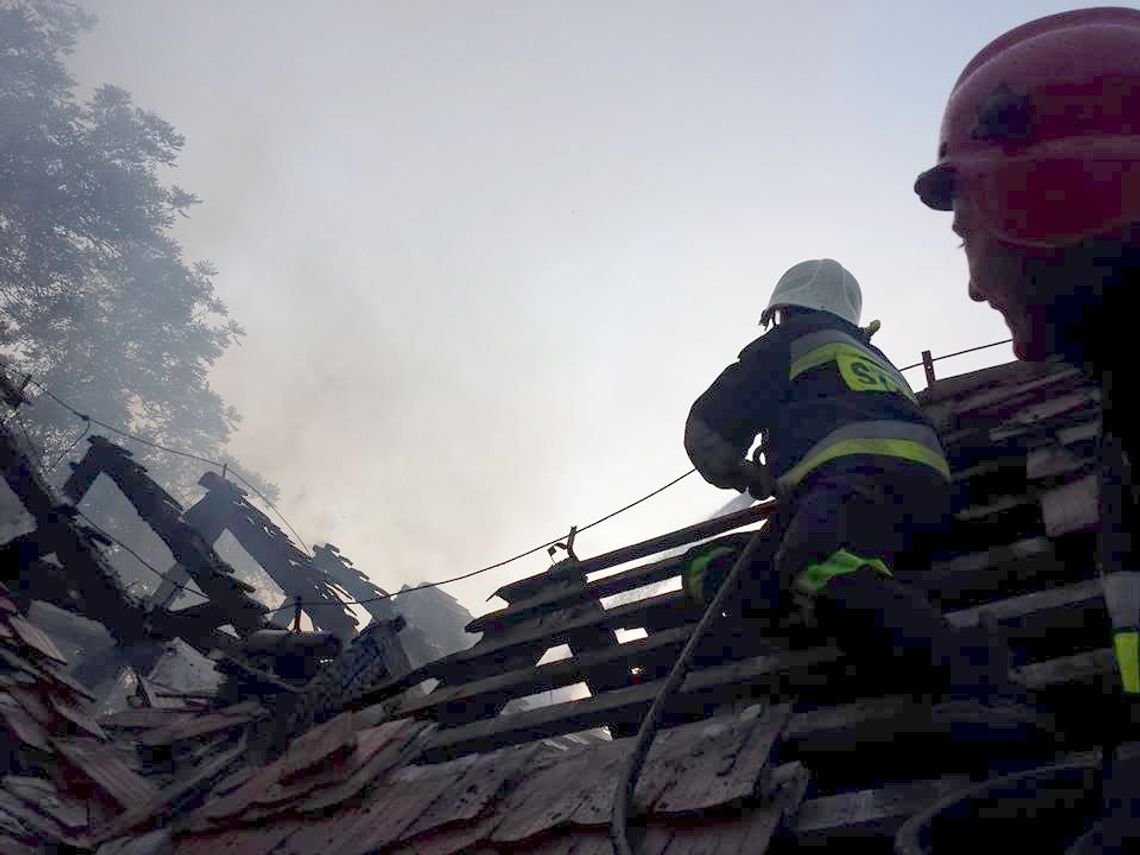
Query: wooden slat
x: 1089, y: 666
x: 672, y: 610
x: 524, y: 649
x: 553, y: 675
x: 873, y: 812
x: 997, y: 506
x: 1041, y: 615
x: 1043, y: 416
x: 1037, y: 603
x: 1084, y: 432
x: 1011, y: 568
x: 1075, y: 609
x: 958, y: 387
x: 549, y: 632
x: 1005, y: 398
x: 526, y: 588
x: 769, y: 673
x: 550, y: 600
x: 1046, y: 623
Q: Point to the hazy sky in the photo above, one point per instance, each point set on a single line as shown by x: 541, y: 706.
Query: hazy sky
x: 488, y: 253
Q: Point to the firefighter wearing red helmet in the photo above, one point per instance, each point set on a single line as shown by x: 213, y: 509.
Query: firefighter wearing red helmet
x: 1039, y: 159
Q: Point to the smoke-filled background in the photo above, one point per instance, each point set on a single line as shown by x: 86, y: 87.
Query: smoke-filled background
x: 487, y: 254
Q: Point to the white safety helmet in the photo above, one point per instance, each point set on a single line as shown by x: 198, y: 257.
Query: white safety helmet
x: 820, y: 284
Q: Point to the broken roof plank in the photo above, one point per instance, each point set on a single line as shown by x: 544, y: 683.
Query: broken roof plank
x: 766, y: 674
x: 1086, y: 667
x: 552, y: 675
x: 44, y: 797
x: 474, y: 788
x: 175, y: 798
x: 377, y: 751
x: 709, y: 778
x: 319, y: 746
x: 488, y: 655
x: 195, y: 726
x: 102, y: 764
x: 579, y: 790
x: 36, y: 638
x: 959, y: 386
x: 556, y: 629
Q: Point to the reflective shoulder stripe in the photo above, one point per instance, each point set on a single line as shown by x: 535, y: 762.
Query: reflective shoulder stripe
x: 692, y: 579
x: 910, y: 441
x: 820, y: 356
x: 1126, y: 645
x: 815, y: 577
x: 815, y: 349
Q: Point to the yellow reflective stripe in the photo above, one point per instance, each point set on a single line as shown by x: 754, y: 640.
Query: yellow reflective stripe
x: 905, y: 449
x: 840, y: 563
x: 1126, y: 644
x: 846, y: 357
x: 820, y: 356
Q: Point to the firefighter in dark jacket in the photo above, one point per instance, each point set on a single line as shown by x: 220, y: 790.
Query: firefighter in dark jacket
x: 859, y: 473
x: 1039, y: 160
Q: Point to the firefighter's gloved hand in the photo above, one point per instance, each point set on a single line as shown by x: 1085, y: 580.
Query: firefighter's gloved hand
x: 760, y: 483
x: 720, y: 462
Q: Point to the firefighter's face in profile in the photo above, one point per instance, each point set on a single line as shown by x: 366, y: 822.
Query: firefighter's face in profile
x: 1000, y: 274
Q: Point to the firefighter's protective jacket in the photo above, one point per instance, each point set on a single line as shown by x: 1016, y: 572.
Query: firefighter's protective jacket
x: 824, y: 398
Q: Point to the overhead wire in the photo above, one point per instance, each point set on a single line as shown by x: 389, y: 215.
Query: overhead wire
x: 364, y: 601
x: 70, y: 448
x: 223, y: 465
x: 161, y: 575
x: 89, y: 420
x: 505, y: 561
x: 959, y: 353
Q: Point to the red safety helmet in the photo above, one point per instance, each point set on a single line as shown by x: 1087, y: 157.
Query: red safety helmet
x: 1042, y: 131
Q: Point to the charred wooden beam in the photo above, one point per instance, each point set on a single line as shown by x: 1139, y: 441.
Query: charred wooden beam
x: 328, y: 560
x: 161, y: 512
x: 98, y: 594
x: 224, y: 508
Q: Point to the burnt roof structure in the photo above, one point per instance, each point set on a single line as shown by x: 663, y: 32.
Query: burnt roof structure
x: 764, y: 748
